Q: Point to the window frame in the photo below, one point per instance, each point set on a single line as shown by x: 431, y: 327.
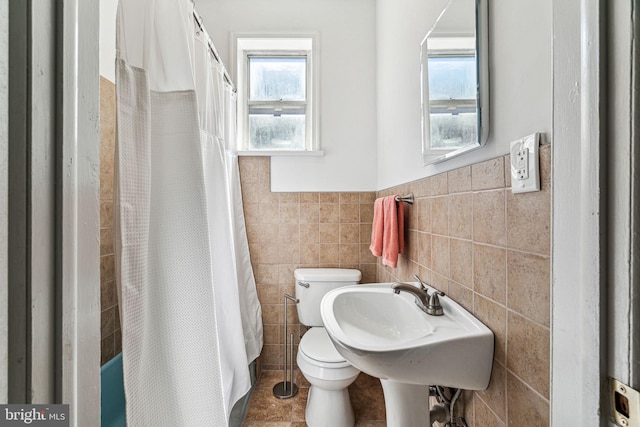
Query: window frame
x: 451, y: 106
x: 454, y: 105
x: 442, y: 45
x: 277, y: 46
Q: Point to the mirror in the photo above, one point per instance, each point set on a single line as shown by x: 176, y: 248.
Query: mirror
x: 455, y: 81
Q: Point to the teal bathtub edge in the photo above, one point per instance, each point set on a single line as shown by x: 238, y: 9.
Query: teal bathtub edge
x: 112, y: 403
x: 113, y: 407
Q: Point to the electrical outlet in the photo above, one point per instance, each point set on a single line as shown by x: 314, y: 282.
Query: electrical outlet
x: 525, y: 164
x: 522, y: 164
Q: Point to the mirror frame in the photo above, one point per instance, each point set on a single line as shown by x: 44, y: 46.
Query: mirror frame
x: 482, y: 76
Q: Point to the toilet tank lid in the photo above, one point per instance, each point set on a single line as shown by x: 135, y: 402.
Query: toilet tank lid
x: 328, y: 274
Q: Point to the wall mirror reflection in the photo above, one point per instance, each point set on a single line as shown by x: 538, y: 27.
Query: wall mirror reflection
x: 455, y: 81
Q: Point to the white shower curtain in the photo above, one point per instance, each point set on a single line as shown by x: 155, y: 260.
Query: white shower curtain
x: 191, y: 320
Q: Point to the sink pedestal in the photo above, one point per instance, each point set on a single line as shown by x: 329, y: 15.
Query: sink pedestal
x: 406, y: 404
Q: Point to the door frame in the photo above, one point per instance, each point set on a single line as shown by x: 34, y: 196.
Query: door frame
x: 52, y: 204
x: 578, y: 339
x: 596, y: 198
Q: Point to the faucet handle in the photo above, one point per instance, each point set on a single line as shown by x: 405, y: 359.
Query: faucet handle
x: 435, y: 308
x: 422, y: 284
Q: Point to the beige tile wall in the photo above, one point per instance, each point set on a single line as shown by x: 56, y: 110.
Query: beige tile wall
x: 111, y: 341
x: 291, y: 230
x: 489, y: 249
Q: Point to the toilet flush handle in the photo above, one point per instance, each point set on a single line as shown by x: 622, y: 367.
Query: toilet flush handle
x: 303, y: 284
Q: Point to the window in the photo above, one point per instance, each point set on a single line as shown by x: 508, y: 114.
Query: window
x: 452, y: 100
x: 276, y: 102
x: 450, y: 93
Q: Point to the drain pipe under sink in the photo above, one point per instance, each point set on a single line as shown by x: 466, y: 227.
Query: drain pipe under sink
x: 443, y: 410
x: 439, y: 413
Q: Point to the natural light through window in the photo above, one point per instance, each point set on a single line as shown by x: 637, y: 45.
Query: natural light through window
x: 452, y: 100
x: 277, y: 102
x: 276, y: 97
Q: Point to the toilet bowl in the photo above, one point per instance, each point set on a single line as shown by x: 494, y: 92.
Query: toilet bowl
x: 329, y: 374
x: 328, y: 402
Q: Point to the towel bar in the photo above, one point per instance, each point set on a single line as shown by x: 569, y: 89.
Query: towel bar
x: 408, y: 198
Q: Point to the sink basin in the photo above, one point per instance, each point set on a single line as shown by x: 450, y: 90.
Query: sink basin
x: 387, y: 336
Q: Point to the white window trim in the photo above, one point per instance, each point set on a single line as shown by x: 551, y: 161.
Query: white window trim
x: 243, y: 44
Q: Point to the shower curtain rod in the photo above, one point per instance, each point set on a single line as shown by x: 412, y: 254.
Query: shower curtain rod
x: 213, y: 50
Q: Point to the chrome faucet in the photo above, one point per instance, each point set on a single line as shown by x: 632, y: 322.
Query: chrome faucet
x: 429, y: 303
x: 422, y: 297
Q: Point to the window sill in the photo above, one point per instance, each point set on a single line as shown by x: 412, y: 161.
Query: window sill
x: 281, y: 153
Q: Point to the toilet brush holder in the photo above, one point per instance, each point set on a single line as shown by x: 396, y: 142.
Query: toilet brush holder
x: 286, y: 389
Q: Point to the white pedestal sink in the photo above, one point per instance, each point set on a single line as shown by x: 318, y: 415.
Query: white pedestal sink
x: 387, y: 336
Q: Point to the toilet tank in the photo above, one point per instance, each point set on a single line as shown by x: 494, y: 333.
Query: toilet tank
x: 313, y: 283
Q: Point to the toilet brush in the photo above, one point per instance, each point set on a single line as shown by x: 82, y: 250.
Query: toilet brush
x: 286, y: 389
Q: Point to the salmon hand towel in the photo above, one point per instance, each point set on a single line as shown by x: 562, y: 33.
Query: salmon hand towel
x: 377, y: 228
x: 387, y: 232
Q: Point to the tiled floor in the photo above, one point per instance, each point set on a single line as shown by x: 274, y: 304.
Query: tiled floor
x: 265, y: 410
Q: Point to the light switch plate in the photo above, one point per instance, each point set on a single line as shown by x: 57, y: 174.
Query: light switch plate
x: 525, y: 164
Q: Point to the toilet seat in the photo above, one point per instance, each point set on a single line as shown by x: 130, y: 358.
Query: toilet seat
x: 317, y: 346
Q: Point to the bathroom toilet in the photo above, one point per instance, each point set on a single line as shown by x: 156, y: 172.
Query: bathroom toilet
x: 328, y: 372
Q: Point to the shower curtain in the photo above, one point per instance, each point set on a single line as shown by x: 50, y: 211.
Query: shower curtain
x: 191, y: 320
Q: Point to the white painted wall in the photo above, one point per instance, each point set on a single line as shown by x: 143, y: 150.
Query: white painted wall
x: 108, y: 10
x: 347, y: 37
x: 370, y: 81
x: 520, y: 75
